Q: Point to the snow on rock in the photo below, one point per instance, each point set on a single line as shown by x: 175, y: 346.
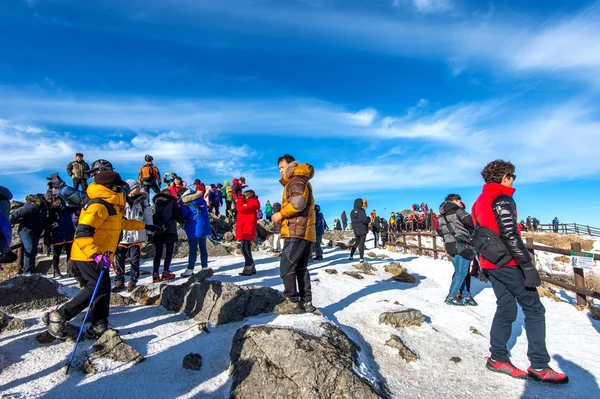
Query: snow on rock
x: 403, y: 318
x: 110, y: 346
x: 27, y: 293
x: 404, y: 351
x: 285, y: 363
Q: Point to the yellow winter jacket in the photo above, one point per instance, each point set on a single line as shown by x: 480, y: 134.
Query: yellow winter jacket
x: 97, y: 231
x: 298, y: 204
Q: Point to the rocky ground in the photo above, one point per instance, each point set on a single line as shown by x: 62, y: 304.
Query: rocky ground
x: 384, y: 332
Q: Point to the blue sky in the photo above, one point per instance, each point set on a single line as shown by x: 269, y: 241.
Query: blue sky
x: 396, y: 101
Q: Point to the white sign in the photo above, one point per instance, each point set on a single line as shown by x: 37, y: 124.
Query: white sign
x: 582, y: 260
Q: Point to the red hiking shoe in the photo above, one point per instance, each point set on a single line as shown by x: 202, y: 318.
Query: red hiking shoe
x: 506, y: 368
x: 167, y: 275
x: 155, y: 277
x: 548, y: 375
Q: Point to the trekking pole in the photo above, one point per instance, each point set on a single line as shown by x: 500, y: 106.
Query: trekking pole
x: 107, y: 253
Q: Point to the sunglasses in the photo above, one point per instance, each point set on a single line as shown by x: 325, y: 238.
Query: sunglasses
x: 512, y: 175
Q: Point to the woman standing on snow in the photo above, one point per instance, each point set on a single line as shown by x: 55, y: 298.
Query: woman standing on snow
x: 247, y: 206
x: 360, y: 225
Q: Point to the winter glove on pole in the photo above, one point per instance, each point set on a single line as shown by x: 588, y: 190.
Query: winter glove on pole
x: 157, y: 230
x: 103, y: 261
x: 532, y: 277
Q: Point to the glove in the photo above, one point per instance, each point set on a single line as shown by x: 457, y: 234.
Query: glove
x: 157, y: 230
x: 532, y: 276
x: 483, y: 277
x: 103, y: 261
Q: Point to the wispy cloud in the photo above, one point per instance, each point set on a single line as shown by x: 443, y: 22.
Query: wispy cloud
x: 427, y: 6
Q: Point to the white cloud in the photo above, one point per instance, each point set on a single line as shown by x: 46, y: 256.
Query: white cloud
x: 427, y: 6
x: 364, y: 117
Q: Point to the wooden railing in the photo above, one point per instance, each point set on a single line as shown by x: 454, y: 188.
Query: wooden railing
x: 570, y: 228
x: 579, y: 277
x: 400, y: 240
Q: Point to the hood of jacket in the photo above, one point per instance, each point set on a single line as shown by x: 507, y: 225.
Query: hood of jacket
x: 358, y: 203
x: 138, y: 198
x: 295, y: 169
x: 162, y: 197
x: 192, y: 197
x: 227, y: 183
x: 5, y: 193
x: 37, y: 200
x: 98, y: 191
x: 448, y: 207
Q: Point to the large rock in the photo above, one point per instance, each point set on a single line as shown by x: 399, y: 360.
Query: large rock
x: 9, y: 323
x: 404, y: 351
x: 218, y: 249
x: 264, y: 229
x: 365, y: 268
x: 403, y: 318
x: 277, y: 362
x: 338, y: 235
x: 26, y: 293
x: 221, y: 224
x: 219, y: 303
x: 111, y: 346
x: 119, y: 300
x: 229, y: 237
x: 147, y: 294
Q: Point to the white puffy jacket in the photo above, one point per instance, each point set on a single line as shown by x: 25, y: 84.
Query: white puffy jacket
x: 139, y: 210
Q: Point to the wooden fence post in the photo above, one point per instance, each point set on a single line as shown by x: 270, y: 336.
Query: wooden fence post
x: 529, y: 245
x: 579, y: 277
x: 420, y: 250
x: 404, y: 247
x: 20, y: 259
x: 576, y: 228
x: 435, y: 251
x: 589, y: 231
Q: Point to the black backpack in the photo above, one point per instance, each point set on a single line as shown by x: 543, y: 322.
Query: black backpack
x: 465, y: 246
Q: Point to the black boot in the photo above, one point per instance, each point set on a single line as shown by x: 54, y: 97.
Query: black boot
x: 95, y: 331
x: 248, y: 270
x: 253, y: 268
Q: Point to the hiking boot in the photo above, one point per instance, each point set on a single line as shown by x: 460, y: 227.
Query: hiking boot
x: 188, y: 273
x: 249, y: 270
x: 361, y: 261
x: 470, y: 301
x: 505, y: 368
x: 167, y: 275
x: 455, y: 301
x: 119, y: 286
x: 253, y: 268
x: 351, y: 258
x: 95, y: 331
x: 57, y: 274
x: 155, y: 277
x: 547, y: 375
x: 131, y: 284
x: 318, y: 258
x: 288, y: 306
x: 57, y: 325
x: 308, y: 307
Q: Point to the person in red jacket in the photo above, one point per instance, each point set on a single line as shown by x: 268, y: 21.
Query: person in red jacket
x: 247, y: 206
x: 516, y: 281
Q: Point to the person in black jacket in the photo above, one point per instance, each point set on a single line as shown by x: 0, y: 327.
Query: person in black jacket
x: 344, y: 220
x: 375, y: 227
x: 60, y: 230
x: 166, y: 215
x: 32, y: 221
x: 79, y: 172
x: 514, y: 278
x: 360, y: 225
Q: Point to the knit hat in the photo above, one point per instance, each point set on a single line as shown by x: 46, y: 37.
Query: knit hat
x: 133, y: 184
x: 108, y: 178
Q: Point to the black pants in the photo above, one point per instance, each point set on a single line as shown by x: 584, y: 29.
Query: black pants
x: 58, y: 248
x: 360, y: 244
x: 509, y: 287
x: 88, y: 273
x: 134, y: 252
x: 168, y: 256
x: 247, y: 252
x: 77, y: 182
x: 384, y: 240
x: 153, y: 186
x: 376, y: 235
x: 216, y: 209
x: 293, y: 269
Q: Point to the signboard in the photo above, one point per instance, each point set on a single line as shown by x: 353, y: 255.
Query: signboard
x: 582, y: 260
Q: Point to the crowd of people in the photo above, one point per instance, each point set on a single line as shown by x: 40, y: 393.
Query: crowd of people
x: 107, y: 222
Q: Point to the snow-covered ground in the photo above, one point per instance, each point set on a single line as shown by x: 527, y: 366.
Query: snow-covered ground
x: 30, y: 369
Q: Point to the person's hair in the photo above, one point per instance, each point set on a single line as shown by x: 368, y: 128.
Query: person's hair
x: 496, y: 170
x: 79, y: 155
x: 197, y: 181
x: 287, y: 158
x: 249, y: 194
x: 178, y: 178
x: 212, y: 186
x: 219, y: 185
x: 453, y: 197
x: 166, y: 191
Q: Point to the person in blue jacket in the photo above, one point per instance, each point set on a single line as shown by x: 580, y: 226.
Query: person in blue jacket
x: 555, y: 223
x: 197, y: 227
x: 320, y: 228
x: 59, y: 231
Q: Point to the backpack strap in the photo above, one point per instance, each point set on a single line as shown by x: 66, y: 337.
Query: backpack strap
x: 109, y: 207
x: 449, y: 226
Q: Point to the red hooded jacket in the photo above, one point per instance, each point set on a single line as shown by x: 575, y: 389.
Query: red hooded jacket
x: 247, y: 218
x: 483, y: 213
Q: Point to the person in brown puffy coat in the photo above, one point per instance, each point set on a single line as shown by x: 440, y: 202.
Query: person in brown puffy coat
x: 297, y: 218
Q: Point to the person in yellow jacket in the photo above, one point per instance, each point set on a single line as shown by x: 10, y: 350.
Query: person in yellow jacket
x: 96, y: 240
x: 297, y: 218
